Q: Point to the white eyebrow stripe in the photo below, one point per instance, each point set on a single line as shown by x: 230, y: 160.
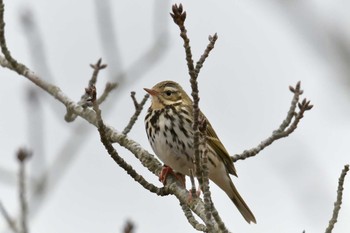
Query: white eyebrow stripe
x: 172, y: 89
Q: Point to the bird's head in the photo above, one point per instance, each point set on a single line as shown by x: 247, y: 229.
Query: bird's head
x: 167, y: 93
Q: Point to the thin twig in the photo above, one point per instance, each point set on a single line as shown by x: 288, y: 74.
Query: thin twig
x: 138, y: 110
x: 287, y: 126
x: 85, y: 100
x: 97, y: 68
x: 129, y: 227
x: 210, y: 46
x: 108, y: 88
x: 22, y: 156
x: 10, y: 221
x: 338, y: 202
x: 179, y: 17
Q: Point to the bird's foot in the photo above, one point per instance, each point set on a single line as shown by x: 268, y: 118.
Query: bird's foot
x: 166, y: 170
x: 194, y: 194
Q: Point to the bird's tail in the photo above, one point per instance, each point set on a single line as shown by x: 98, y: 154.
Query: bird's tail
x: 225, y: 183
x: 240, y: 204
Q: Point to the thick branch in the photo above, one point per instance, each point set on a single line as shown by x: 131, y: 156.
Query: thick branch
x: 191, y: 219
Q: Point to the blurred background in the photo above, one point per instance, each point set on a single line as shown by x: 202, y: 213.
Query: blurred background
x: 263, y: 47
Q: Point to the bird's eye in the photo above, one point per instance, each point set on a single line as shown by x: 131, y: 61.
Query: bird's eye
x: 168, y: 93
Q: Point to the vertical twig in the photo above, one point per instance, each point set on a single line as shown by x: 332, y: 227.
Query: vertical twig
x: 129, y: 227
x: 22, y: 156
x: 199, y: 125
x: 205, y: 182
x: 338, y: 202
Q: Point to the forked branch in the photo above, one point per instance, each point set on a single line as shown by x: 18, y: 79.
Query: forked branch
x: 287, y: 127
x: 138, y: 109
x: 200, y: 161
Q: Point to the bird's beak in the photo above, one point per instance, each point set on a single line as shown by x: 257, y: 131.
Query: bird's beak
x: 151, y: 92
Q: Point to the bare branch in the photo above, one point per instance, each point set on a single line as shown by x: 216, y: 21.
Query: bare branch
x: 120, y: 161
x: 22, y: 156
x: 210, y: 46
x: 129, y: 227
x: 218, y: 219
x: 138, y: 110
x: 108, y: 88
x: 191, y: 219
x: 85, y: 100
x: 286, y: 128
x: 338, y: 202
x: 13, y: 64
x: 8, y: 219
x: 142, y: 64
x: 179, y: 17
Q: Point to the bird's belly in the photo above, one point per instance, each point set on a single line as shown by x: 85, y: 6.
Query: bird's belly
x: 171, y: 138
x: 172, y: 155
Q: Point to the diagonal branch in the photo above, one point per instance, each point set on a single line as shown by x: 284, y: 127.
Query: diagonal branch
x: 286, y: 128
x: 85, y: 100
x: 120, y: 161
x: 191, y: 219
x: 10, y: 221
x: 108, y: 88
x: 210, y: 46
x: 138, y: 109
x: 124, y: 77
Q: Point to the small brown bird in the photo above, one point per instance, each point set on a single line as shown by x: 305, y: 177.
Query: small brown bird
x: 169, y: 130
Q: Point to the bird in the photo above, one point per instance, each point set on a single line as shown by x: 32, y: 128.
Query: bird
x: 168, y: 124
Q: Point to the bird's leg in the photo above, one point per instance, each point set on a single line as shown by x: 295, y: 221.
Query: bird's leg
x: 196, y: 194
x: 166, y: 170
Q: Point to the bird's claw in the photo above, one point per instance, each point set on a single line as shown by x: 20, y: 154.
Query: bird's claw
x: 166, y: 170
x: 197, y: 193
